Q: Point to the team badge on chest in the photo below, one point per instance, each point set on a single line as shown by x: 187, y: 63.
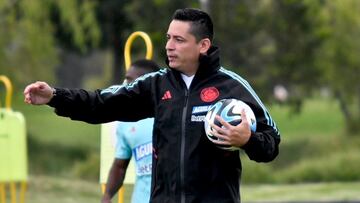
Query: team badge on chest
x: 209, y: 94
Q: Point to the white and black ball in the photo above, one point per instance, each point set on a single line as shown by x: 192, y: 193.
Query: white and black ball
x: 230, y: 110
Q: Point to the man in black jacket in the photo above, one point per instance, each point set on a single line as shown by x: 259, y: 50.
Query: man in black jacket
x: 187, y: 167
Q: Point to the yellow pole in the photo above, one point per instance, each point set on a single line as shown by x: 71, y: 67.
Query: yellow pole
x: 103, y: 187
x: 120, y: 193
x: 22, y: 192
x: 9, y: 91
x: 129, y: 41
x: 13, y: 192
x: 2, y: 193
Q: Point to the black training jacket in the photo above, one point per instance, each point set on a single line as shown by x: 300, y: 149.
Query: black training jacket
x: 187, y: 167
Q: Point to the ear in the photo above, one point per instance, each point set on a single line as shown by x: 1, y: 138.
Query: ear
x: 205, y: 45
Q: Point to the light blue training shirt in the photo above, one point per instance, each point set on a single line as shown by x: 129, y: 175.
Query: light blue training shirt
x: 135, y: 139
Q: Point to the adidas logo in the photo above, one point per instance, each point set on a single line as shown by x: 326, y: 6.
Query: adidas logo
x: 166, y: 96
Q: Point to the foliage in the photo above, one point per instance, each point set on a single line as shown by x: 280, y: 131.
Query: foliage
x: 46, y: 163
x: 28, y: 43
x: 314, y: 148
x: 338, y: 57
x: 303, y: 45
x: 114, y: 25
x: 315, y: 48
x: 76, y: 24
x: 310, y: 159
x: 155, y: 25
x: 244, y: 42
x: 88, y: 169
x: 343, y: 166
x: 26, y: 49
x: 296, y: 34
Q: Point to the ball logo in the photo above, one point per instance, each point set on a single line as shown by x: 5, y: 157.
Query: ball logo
x: 209, y: 94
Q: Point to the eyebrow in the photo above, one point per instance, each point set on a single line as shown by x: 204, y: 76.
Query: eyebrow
x: 175, y: 36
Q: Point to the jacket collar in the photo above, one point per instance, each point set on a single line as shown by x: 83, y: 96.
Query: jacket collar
x: 208, y: 63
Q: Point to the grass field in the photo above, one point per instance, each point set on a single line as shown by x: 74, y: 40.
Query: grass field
x: 320, y: 117
x: 45, y: 126
x: 314, y: 148
x: 306, y: 192
x: 43, y: 189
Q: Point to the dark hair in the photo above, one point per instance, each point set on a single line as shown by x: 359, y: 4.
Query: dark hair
x: 201, y: 23
x: 146, y: 65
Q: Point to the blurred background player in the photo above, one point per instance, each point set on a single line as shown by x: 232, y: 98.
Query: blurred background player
x: 133, y: 139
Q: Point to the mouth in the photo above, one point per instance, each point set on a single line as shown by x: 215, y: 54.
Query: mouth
x: 171, y: 57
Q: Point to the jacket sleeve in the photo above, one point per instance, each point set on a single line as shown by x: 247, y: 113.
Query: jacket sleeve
x: 124, y: 103
x: 263, y: 145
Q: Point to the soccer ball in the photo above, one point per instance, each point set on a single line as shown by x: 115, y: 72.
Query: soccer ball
x: 229, y: 110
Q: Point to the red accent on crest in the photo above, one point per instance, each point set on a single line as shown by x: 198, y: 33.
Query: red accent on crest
x: 209, y: 94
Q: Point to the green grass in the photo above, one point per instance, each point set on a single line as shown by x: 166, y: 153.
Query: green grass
x: 314, y: 148
x: 43, y: 124
x: 44, y: 189
x: 309, y: 192
x: 320, y: 117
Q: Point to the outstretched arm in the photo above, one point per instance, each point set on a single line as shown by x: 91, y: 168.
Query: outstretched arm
x: 115, y: 179
x: 100, y: 106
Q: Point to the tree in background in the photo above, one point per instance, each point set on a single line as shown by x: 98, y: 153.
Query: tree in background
x: 240, y: 32
x: 26, y: 48
x: 271, y: 42
x: 28, y: 43
x: 303, y: 45
x: 315, y: 47
x: 115, y: 27
x: 338, y: 57
x: 296, y: 32
x: 153, y: 17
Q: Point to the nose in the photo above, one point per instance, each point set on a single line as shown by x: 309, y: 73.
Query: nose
x: 169, y: 45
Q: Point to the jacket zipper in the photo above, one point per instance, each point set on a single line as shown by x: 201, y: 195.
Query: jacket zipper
x: 182, y: 148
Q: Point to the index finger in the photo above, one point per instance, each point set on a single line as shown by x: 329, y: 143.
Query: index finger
x: 32, y: 86
x: 28, y: 88
x: 223, y: 122
x: 244, y: 116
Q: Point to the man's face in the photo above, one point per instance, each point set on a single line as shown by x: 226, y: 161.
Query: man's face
x: 181, y: 48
